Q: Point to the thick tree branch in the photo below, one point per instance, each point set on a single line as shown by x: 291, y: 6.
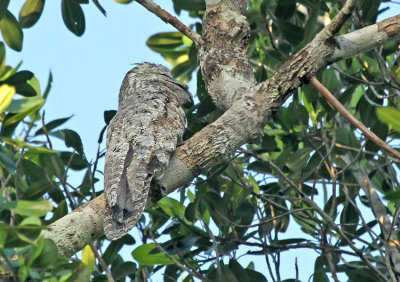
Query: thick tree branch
x: 249, y: 107
x: 222, y: 57
x: 168, y: 18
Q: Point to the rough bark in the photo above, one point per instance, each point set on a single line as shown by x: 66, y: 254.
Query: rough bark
x: 248, y: 105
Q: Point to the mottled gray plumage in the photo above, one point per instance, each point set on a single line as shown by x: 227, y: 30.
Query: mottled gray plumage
x: 141, y: 137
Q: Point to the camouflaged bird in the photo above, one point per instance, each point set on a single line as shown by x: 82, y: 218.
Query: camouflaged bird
x: 141, y: 137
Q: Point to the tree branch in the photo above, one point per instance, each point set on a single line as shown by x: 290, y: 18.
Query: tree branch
x: 334, y: 26
x: 168, y: 18
x: 341, y: 109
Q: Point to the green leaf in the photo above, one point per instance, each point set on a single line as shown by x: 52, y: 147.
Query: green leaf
x: 108, y: 116
x: 285, y: 9
x: 47, y: 255
x: 19, y: 77
x: 189, y: 5
x: 172, y: 207
x: 37, y: 189
x: 330, y: 80
x: 393, y: 196
x: 11, y: 31
x: 349, y: 219
x: 32, y: 149
x: 30, y: 12
x: 124, y: 269
x: 80, y: 273
x: 59, y: 211
x: 2, y: 57
x: 292, y: 33
x: 72, y: 139
x: 53, y: 124
x: 73, y: 16
x: 28, y: 208
x: 7, y: 163
x: 112, y: 251
x: 390, y: 116
x: 165, y: 41
x: 255, y: 276
x: 298, y: 160
x: 76, y: 162
x: 98, y: 5
x: 23, y: 107
x: 320, y: 271
x: 145, y: 256
x: 3, y: 237
x: 3, y: 7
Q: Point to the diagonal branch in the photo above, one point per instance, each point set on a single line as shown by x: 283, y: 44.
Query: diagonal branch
x: 334, y: 26
x: 168, y: 18
x: 341, y: 109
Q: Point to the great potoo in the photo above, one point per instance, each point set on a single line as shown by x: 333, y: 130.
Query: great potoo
x: 141, y: 137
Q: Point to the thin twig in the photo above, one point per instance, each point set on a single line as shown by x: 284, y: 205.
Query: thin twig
x: 341, y: 109
x: 329, y: 221
x: 168, y: 18
x: 214, y: 242
x: 102, y: 263
x: 334, y: 26
x: 177, y: 263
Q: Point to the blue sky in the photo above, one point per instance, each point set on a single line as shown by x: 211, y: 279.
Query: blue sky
x: 88, y: 72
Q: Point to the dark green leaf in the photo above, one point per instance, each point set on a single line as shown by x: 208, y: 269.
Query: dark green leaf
x: 320, y: 270
x: 292, y: 33
x: 34, y: 171
x: 76, y: 162
x: 47, y: 255
x: 80, y: 273
x: 3, y: 7
x: 60, y: 211
x: 123, y: 270
x: 102, y: 10
x: 393, y: 196
x: 73, y: 140
x: 190, y: 212
x: 299, y: 159
x: 255, y: 276
x: 189, y: 5
x: 73, y: 16
x: 48, y: 86
x: 330, y: 80
x: 349, y: 218
x: 108, y: 115
x: 24, y: 89
x: 2, y: 54
x: 37, y: 189
x: 7, y: 163
x: 53, y: 124
x: 285, y: 9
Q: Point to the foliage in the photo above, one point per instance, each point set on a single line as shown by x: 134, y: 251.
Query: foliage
x: 310, y: 165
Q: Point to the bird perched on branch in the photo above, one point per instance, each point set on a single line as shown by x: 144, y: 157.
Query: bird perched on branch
x: 141, y: 137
